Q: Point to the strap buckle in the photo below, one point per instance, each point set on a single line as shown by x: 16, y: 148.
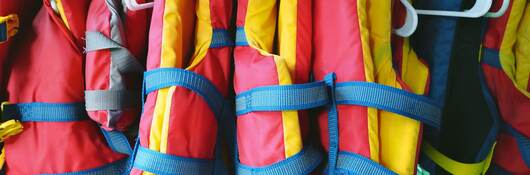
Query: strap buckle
x: 8, y: 27
x: 9, y: 128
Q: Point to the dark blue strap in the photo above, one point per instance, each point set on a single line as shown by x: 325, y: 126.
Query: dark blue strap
x: 45, y: 112
x: 3, y: 32
x: 221, y: 38
x: 491, y: 57
x: 117, y: 141
x: 351, y: 163
x: 117, y: 168
x: 389, y: 99
x: 301, y: 163
x: 61, y: 112
x: 166, y: 164
x: 167, y: 77
x: 522, y: 142
x: 283, y: 97
x: 241, y: 37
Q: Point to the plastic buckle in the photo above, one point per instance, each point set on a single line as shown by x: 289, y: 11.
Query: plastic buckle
x: 8, y: 27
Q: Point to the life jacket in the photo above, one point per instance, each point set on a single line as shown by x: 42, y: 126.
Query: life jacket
x: 465, y: 141
x: 186, y: 88
x: 112, y: 70
x: 505, y: 61
x: 376, y: 89
x: 45, y: 93
x: 271, y: 138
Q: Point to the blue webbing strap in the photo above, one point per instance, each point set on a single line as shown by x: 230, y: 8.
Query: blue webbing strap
x: 165, y: 164
x: 301, y: 163
x: 350, y: 163
x: 491, y: 57
x: 241, y: 37
x: 116, y: 168
x: 389, y: 99
x: 61, y: 112
x: 283, y: 97
x: 45, y: 112
x: 333, y: 124
x: 117, y: 141
x: 522, y: 142
x: 167, y: 77
x: 310, y: 95
x: 221, y: 38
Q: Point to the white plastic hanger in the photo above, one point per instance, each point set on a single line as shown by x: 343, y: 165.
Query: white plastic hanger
x: 480, y: 8
x: 411, y: 21
x: 501, y: 11
x: 134, y: 6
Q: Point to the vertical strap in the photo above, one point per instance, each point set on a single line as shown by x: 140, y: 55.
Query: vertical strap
x: 117, y: 141
x: 333, y: 125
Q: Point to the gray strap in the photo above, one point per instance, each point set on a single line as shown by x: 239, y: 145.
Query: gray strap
x: 121, y: 56
x: 96, y: 100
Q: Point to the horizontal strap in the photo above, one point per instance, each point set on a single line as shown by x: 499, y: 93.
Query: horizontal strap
x: 453, y: 166
x: 117, y: 141
x: 167, y: 77
x: 241, y: 37
x: 117, y: 167
x: 303, y: 162
x: 221, y: 38
x: 110, y: 99
x: 491, y: 57
x: 282, y: 97
x: 389, y: 99
x: 522, y: 142
x: 45, y: 112
x: 351, y: 163
x: 121, y: 57
x: 166, y: 164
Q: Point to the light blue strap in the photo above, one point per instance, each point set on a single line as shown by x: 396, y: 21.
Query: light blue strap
x: 115, y: 168
x: 491, y: 57
x: 221, y: 38
x: 522, y: 142
x: 303, y: 162
x: 351, y: 163
x: 117, y: 141
x: 165, y: 164
x: 241, y: 37
x: 389, y: 99
x: 333, y: 124
x: 45, y: 112
x: 167, y: 77
x: 283, y: 97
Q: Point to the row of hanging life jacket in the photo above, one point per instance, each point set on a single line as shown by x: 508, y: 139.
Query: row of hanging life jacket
x: 257, y: 87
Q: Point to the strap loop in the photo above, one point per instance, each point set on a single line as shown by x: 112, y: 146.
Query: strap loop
x: 110, y: 99
x: 121, y: 57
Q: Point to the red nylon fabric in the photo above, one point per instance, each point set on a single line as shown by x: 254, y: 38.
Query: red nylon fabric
x: 337, y: 48
x: 49, y: 68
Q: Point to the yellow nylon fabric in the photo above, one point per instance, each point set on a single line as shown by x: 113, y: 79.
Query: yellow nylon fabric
x: 60, y: 7
x: 455, y: 167
x: 398, y: 134
x: 372, y: 114
x: 514, y: 53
